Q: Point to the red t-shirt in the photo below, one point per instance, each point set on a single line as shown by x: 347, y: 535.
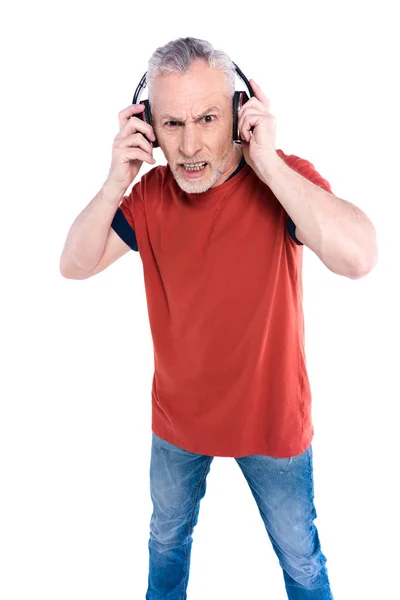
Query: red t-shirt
x: 223, y: 281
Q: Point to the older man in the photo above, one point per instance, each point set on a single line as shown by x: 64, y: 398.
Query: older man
x: 220, y: 230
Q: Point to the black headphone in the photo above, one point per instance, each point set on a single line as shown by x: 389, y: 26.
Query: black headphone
x: 239, y: 98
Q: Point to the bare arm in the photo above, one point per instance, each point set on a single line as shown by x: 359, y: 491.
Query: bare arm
x: 91, y: 243
x: 89, y: 234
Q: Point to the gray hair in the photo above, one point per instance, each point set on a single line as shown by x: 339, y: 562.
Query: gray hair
x: 178, y: 56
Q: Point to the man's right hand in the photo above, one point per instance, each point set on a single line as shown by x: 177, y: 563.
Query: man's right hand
x: 130, y: 148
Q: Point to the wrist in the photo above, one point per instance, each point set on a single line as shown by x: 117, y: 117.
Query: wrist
x: 271, y: 166
x: 112, y: 193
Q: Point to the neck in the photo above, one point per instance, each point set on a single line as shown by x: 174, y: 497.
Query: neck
x: 233, y: 161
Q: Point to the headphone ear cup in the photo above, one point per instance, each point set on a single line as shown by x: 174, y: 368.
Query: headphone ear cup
x: 239, y: 98
x: 148, y: 119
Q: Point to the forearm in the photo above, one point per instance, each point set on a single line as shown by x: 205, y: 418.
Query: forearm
x: 88, y: 234
x: 337, y: 231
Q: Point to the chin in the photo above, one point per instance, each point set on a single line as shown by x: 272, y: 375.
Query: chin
x: 194, y: 187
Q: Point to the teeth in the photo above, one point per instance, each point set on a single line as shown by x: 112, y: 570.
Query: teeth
x: 194, y: 167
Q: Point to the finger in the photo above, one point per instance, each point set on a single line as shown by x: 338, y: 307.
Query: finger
x: 125, y: 114
x: 136, y: 140
x: 137, y: 154
x: 259, y: 93
x: 245, y: 124
x: 135, y: 124
x: 242, y: 132
x: 252, y: 104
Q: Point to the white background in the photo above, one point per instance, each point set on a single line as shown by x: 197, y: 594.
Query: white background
x: 77, y: 355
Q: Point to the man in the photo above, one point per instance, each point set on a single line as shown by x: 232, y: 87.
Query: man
x: 220, y: 230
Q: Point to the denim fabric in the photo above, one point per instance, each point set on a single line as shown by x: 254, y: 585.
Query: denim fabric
x: 283, y: 489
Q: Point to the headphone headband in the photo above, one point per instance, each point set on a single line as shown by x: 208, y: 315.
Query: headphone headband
x: 138, y: 92
x: 244, y: 79
x: 143, y: 83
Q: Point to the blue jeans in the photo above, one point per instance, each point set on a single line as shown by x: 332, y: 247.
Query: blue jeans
x: 284, y: 492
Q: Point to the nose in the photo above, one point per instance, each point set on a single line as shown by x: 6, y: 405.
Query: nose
x: 190, y: 143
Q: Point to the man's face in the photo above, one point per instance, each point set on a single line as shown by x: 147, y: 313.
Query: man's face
x: 192, y: 118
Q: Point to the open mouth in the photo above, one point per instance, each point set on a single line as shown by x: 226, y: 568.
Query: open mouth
x: 193, y: 169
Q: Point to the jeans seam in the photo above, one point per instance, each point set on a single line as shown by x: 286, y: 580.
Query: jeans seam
x: 191, y: 521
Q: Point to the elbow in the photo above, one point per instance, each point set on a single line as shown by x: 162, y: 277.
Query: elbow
x: 357, y: 259
x: 64, y: 270
x: 367, y: 257
x: 365, y: 263
x: 64, y: 267
x: 67, y: 274
x: 363, y: 269
x: 353, y: 269
x: 70, y: 272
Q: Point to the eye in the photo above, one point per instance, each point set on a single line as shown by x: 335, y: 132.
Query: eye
x: 172, y: 123
x: 208, y: 118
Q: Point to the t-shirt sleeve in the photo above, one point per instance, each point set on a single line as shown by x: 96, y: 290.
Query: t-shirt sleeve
x: 291, y: 229
x: 307, y: 170
x: 123, y: 222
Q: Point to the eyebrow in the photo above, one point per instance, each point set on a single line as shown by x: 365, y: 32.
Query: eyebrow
x: 203, y: 114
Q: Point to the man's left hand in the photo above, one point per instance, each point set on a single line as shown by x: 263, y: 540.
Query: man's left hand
x: 258, y: 146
